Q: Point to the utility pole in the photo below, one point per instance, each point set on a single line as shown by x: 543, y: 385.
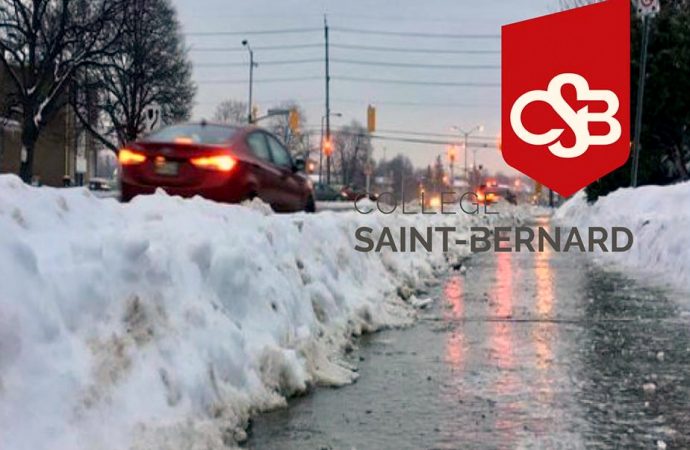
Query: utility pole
x: 252, y: 64
x: 328, y: 101
x: 640, y: 99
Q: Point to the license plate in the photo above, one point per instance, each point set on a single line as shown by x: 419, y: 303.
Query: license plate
x: 167, y: 168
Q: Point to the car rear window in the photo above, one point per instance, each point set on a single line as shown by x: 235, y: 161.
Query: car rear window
x: 193, y: 134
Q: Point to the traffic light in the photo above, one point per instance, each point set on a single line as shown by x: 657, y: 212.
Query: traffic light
x: 371, y: 119
x: 294, y: 121
x: 452, y: 153
x: 327, y: 147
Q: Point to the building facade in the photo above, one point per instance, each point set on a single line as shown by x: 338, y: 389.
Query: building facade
x: 61, y: 151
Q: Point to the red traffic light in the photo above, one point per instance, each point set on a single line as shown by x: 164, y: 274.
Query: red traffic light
x: 328, y: 147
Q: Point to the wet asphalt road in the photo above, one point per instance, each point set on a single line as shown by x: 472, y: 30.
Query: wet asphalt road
x: 521, y: 351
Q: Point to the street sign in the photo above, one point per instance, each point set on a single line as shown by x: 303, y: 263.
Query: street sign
x: 152, y: 118
x: 647, y: 8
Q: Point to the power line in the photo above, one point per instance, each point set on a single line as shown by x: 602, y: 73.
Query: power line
x: 260, y: 80
x: 254, y: 32
x: 430, y: 141
x: 364, y: 80
x: 306, y: 101
x: 374, y: 48
x: 416, y: 34
x: 264, y: 48
x: 359, y: 63
x: 414, y: 82
x: 415, y: 50
x: 420, y: 133
x: 399, y: 18
x: 417, y: 66
x: 472, y: 145
x: 262, y: 63
x: 415, y: 104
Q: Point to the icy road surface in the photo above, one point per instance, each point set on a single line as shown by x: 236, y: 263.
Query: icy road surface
x: 521, y: 351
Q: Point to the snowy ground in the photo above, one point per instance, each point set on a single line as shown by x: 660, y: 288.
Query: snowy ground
x: 659, y: 218
x: 165, y: 323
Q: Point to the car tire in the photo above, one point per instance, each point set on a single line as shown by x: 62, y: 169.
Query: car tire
x: 310, y: 206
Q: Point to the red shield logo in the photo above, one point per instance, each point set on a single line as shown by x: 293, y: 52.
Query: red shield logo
x: 566, y: 95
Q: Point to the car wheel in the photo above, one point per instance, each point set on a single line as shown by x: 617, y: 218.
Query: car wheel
x: 310, y: 207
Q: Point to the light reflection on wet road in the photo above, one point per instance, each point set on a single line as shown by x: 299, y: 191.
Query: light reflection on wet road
x: 522, y: 351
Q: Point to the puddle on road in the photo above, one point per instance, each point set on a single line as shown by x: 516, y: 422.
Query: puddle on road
x: 522, y: 350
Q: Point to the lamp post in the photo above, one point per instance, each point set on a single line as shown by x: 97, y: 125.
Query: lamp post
x: 252, y: 64
x: 323, y: 118
x: 466, y: 134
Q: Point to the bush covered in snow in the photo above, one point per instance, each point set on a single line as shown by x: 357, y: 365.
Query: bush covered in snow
x: 658, y: 216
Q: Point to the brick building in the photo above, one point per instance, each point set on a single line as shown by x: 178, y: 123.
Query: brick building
x: 57, y: 147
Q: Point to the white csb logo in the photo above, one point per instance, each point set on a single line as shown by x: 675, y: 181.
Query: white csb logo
x: 578, y: 121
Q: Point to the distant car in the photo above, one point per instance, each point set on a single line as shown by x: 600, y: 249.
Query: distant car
x: 487, y: 195
x: 492, y: 194
x: 328, y: 193
x: 100, y: 185
x: 222, y: 163
x: 351, y: 194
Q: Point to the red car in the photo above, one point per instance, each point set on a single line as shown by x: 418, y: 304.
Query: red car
x: 222, y: 163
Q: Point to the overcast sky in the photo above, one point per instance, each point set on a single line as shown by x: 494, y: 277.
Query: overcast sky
x: 408, y: 107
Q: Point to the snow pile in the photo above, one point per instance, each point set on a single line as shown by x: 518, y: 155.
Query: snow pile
x: 166, y: 323
x: 658, y: 216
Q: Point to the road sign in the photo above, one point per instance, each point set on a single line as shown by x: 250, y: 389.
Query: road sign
x: 648, y: 7
x: 152, y: 118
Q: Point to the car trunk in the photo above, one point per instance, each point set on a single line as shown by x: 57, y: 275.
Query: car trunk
x: 169, y: 165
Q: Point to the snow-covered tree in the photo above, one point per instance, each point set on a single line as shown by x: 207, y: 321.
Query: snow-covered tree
x: 42, y: 45
x: 150, y: 66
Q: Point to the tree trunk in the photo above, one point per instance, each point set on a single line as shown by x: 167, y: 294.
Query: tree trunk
x: 29, y: 138
x: 677, y: 157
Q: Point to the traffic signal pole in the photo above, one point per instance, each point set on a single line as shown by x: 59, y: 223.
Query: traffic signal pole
x: 328, y: 102
x: 640, y: 100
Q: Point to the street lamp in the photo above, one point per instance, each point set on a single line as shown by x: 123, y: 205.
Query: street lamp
x: 321, y: 143
x: 466, y: 134
x: 252, y: 64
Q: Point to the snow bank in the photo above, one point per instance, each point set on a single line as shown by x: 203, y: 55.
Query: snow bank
x: 166, y: 323
x: 658, y: 216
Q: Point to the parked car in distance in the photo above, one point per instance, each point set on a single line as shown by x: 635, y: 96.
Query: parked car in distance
x: 100, y: 185
x: 352, y: 193
x: 492, y: 194
x: 328, y: 193
x: 222, y: 163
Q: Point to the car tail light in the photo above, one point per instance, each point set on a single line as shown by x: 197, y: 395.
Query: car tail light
x: 129, y: 157
x: 222, y: 163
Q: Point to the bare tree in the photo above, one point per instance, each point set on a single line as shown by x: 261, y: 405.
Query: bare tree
x: 232, y: 112
x: 352, y: 148
x: 42, y: 44
x: 150, y: 66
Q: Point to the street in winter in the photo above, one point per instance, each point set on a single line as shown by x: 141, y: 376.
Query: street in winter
x: 351, y: 225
